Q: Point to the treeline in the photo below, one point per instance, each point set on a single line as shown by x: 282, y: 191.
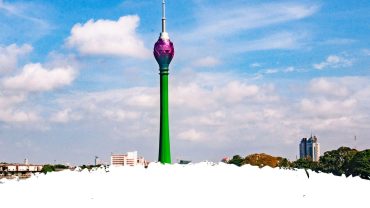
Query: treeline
x: 51, y: 168
x: 344, y: 160
x: 58, y: 167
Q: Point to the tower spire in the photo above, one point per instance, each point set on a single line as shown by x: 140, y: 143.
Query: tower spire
x: 163, y: 16
x: 164, y: 35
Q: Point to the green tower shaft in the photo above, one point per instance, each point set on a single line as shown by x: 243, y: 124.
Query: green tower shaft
x: 164, y: 131
x: 163, y: 53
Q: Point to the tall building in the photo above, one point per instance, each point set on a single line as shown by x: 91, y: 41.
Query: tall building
x: 163, y: 53
x: 97, y: 161
x: 129, y: 159
x: 309, y: 148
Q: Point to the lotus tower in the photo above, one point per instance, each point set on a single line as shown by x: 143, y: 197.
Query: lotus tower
x: 163, y: 53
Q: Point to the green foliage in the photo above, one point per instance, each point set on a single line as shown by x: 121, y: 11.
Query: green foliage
x: 60, y: 166
x: 337, y: 161
x: 47, y: 168
x: 344, y: 160
x: 51, y: 168
x: 306, y: 163
x: 360, y: 164
x: 89, y: 167
x: 236, y: 160
x: 284, y: 163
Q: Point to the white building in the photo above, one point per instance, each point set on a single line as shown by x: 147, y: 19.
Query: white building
x: 129, y: 159
x: 11, y: 168
x: 20, y: 168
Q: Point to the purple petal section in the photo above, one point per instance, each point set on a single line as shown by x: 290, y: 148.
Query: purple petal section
x: 163, y: 52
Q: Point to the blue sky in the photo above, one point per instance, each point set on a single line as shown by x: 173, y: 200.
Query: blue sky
x: 77, y: 78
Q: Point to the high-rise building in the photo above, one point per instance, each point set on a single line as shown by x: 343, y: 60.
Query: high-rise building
x: 97, y: 161
x: 129, y: 159
x: 309, y: 148
x: 163, y: 53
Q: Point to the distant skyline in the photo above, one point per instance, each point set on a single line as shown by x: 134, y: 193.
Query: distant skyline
x: 78, y: 78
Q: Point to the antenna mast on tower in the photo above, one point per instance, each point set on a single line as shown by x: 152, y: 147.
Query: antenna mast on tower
x: 163, y: 16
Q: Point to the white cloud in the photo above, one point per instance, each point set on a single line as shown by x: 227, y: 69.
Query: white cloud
x: 7, y: 7
x: 121, y: 115
x: 255, y: 65
x: 228, y: 19
x: 337, y: 105
x: 64, y: 116
x: 289, y: 69
x: 339, y: 41
x: 14, y: 116
x: 366, y: 52
x: 271, y: 71
x: 236, y: 91
x: 207, y: 61
x: 191, y: 135
x: 19, y: 12
x: 34, y: 77
x: 9, y: 56
x: 282, y: 40
x: 141, y: 100
x: 327, y: 108
x: 208, y: 97
x: 219, y: 24
x: 225, y: 109
x: 333, y: 61
x: 7, y: 101
x: 108, y: 37
x: 11, y: 110
x: 327, y: 87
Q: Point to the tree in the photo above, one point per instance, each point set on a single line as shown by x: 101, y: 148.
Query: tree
x: 306, y: 163
x: 263, y: 159
x: 60, y: 167
x: 47, y: 168
x: 360, y: 165
x: 260, y: 160
x: 337, y: 161
x: 236, y: 160
x: 284, y: 163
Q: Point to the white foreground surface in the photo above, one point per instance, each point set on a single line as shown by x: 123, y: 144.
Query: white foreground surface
x: 191, y: 186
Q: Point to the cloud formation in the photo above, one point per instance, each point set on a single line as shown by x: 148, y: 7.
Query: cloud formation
x: 11, y: 112
x: 108, y: 37
x: 64, y: 116
x: 16, y: 116
x: 223, y: 20
x: 10, y: 54
x: 208, y: 61
x: 34, y: 77
x: 333, y: 61
x: 217, y: 23
x: 225, y: 110
x: 327, y: 87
